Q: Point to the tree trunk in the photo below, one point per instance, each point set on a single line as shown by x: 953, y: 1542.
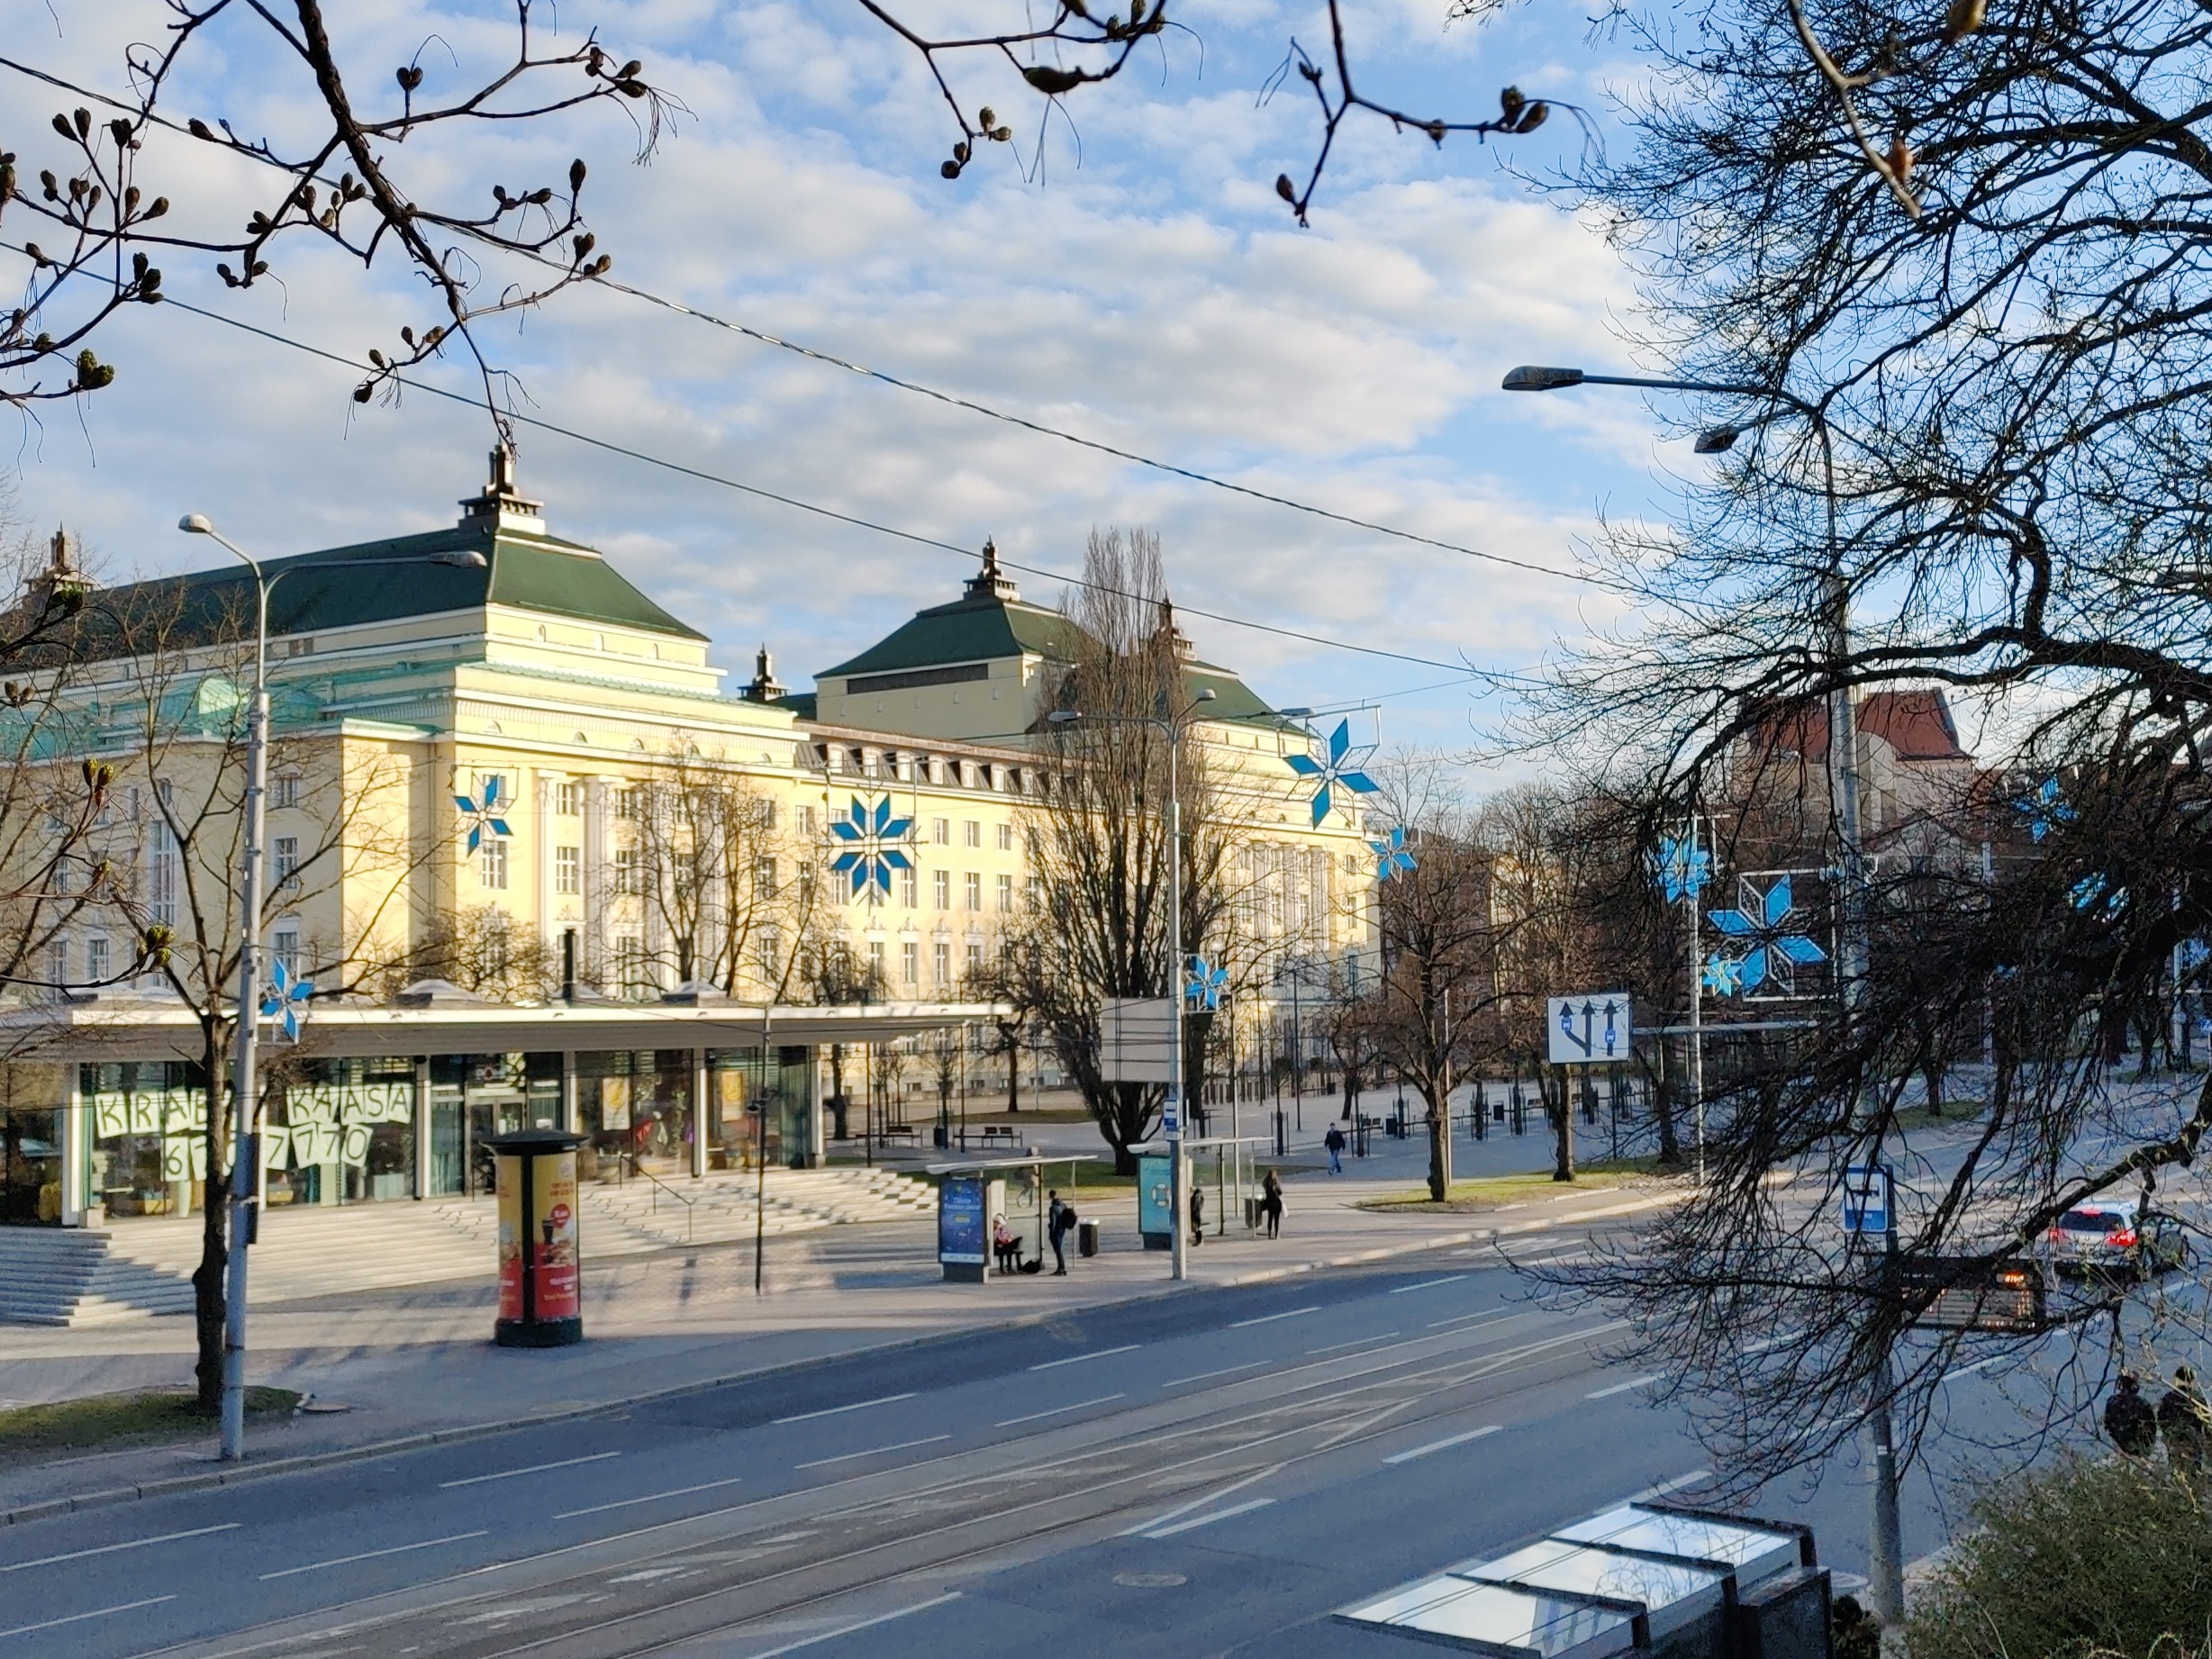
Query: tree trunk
x: 208, y: 1277
x: 1932, y: 1072
x: 1670, y: 1144
x: 1439, y: 1141
x: 1559, y: 1106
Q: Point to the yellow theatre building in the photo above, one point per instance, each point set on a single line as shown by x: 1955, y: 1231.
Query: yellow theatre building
x: 541, y: 865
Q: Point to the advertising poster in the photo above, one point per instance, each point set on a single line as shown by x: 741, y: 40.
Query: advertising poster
x: 510, y: 1239
x: 961, y: 1235
x: 553, y: 1238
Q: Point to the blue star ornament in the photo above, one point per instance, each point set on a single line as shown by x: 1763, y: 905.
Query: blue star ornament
x: 1773, y: 945
x: 2045, y: 810
x: 1391, y: 858
x: 1682, y: 869
x: 1205, y: 984
x: 1334, y: 772
x: 285, y: 1000
x: 869, y: 843
x: 490, y: 817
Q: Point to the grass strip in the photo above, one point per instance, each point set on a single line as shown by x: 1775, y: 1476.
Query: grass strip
x: 102, y: 1420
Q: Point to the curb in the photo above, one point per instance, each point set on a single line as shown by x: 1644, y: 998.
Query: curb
x: 46, y: 1508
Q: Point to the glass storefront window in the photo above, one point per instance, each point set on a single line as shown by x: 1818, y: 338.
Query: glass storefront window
x: 736, y: 1078
x: 149, y: 1140
x: 475, y: 1096
x: 635, y: 1110
x: 31, y: 1102
x: 339, y: 1131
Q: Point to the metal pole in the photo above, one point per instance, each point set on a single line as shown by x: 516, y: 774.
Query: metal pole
x: 243, y: 1176
x: 1697, y: 1003
x: 1178, y: 1261
x: 760, y: 1153
x: 1885, y: 1570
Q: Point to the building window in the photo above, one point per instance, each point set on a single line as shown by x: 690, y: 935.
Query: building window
x: 96, y: 960
x: 1006, y: 894
x: 763, y: 879
x: 626, y: 873
x: 909, y: 961
x: 970, y: 833
x: 492, y: 862
x: 910, y: 887
x: 803, y: 817
x: 943, y: 954
x: 626, y: 803
x: 57, y: 970
x: 629, y: 963
x: 1006, y: 837
x: 940, y: 831
x: 568, y: 800
x: 973, y: 883
x: 940, y: 888
x: 1033, y: 891
x: 976, y: 959
x: 567, y: 869
x: 768, y: 956
x: 287, y: 848
x: 286, y: 950
x: 284, y: 791
x: 875, y: 964
x: 161, y: 874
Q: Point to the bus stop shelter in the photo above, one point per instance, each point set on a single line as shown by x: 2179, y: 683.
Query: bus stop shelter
x: 1019, y: 1200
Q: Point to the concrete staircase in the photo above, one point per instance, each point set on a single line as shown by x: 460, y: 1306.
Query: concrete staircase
x: 141, y: 1268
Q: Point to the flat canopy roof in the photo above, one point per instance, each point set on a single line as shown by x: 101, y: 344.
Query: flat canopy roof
x: 154, y: 1029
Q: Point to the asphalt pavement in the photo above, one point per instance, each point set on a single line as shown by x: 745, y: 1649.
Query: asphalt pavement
x: 1199, y: 1472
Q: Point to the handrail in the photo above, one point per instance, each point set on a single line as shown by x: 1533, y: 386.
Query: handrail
x: 661, y: 1186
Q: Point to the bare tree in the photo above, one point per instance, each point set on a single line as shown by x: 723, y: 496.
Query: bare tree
x: 708, y: 856
x: 481, y: 950
x: 105, y: 220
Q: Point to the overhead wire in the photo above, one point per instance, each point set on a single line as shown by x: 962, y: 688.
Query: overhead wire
x: 951, y: 400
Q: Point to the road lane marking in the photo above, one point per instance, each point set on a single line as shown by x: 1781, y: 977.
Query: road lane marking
x: 375, y: 1554
x: 1158, y: 1533
x: 1077, y: 1359
x: 77, y: 1619
x: 1622, y: 1387
x: 1039, y: 1417
x: 1429, y: 1285
x: 1269, y: 1319
x: 874, y: 1451
x: 109, y: 1549
x: 624, y: 1503
x: 858, y: 1405
x: 509, y: 1475
x: 1489, y: 1313
x: 866, y: 1624
x: 1445, y: 1445
x: 1336, y: 1347
x: 1696, y: 1477
x: 1226, y: 1371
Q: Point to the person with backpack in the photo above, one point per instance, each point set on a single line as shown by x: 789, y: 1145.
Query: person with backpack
x: 2184, y: 1423
x: 1334, y: 1141
x: 2129, y: 1419
x: 1060, y: 1221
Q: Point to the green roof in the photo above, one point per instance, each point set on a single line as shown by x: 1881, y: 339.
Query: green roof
x: 527, y: 571
x: 980, y: 628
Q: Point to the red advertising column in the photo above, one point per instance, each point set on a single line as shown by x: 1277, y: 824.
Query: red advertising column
x: 540, y: 1263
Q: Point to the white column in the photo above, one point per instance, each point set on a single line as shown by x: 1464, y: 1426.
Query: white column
x: 542, y: 850
x: 592, y: 941
x: 422, y: 1127
x: 699, y: 1112
x: 75, y: 1150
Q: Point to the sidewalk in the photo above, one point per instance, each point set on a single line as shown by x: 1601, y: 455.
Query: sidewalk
x: 414, y: 1366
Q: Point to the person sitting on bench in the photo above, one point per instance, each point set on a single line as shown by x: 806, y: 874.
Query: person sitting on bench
x: 1005, y: 1246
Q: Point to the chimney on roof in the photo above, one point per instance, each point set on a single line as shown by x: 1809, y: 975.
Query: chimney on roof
x: 991, y: 582
x: 501, y: 506
x: 765, y: 687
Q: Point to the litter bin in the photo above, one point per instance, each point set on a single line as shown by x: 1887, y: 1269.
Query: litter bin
x: 540, y: 1280
x: 1086, y: 1236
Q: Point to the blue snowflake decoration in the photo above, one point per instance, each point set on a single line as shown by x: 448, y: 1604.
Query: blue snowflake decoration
x: 1337, y: 771
x: 2045, y: 810
x: 1205, y: 985
x: 1773, y: 945
x: 490, y: 817
x: 2095, y: 894
x: 285, y: 1000
x: 870, y: 847
x: 1683, y: 868
x: 1391, y: 858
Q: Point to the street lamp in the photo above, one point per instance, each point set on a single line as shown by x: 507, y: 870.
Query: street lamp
x: 244, y: 1176
x: 1171, y: 1117
x: 1886, y: 1553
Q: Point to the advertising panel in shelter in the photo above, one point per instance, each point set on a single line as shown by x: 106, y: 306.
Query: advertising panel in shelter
x: 961, y: 1234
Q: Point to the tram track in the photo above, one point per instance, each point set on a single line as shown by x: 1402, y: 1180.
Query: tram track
x: 1328, y: 1405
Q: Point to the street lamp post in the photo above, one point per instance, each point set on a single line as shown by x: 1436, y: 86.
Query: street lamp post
x: 1885, y: 1572
x: 1171, y: 1115
x: 245, y: 1176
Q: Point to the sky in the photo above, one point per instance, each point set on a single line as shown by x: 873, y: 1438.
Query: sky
x: 1122, y: 270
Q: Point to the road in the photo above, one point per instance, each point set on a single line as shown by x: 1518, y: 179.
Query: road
x: 1204, y: 1471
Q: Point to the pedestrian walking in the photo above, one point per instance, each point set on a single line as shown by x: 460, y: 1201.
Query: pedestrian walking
x: 2129, y: 1419
x: 1334, y: 1141
x: 1197, y: 1215
x: 1060, y: 1221
x: 2184, y: 1423
x: 1271, y: 1203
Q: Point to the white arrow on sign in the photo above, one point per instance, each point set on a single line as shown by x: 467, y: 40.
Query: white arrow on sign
x: 1589, y: 1029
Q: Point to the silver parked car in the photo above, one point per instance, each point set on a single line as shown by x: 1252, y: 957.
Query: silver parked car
x: 2116, y: 1235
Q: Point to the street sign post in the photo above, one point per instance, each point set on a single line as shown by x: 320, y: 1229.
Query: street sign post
x: 1590, y: 1029
x: 1865, y: 1198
